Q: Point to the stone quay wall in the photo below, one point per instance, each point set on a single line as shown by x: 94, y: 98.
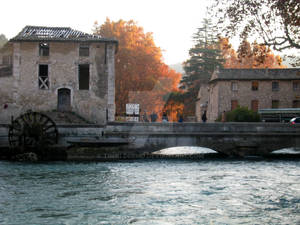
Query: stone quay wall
x: 143, y: 138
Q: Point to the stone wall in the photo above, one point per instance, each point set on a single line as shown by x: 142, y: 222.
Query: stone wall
x: 202, y: 101
x: 221, y: 95
x: 21, y: 91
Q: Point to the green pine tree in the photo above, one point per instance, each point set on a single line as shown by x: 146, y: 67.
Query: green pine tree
x: 205, y: 57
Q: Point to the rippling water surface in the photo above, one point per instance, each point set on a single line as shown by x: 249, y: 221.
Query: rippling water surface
x: 151, y: 192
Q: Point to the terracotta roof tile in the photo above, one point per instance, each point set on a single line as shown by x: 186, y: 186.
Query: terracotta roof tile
x: 37, y: 33
x: 257, y: 74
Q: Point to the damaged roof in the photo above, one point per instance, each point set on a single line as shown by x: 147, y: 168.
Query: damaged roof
x: 38, y: 33
x: 256, y: 74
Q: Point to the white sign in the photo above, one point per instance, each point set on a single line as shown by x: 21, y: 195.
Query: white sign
x: 132, y: 109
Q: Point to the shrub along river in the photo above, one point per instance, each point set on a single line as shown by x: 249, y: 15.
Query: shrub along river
x: 151, y: 191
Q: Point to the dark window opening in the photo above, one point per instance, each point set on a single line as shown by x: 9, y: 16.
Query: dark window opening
x: 296, y: 104
x: 254, y: 105
x: 254, y: 85
x: 296, y: 85
x: 7, y: 60
x: 84, y: 76
x: 43, y: 77
x: 275, y: 86
x: 84, y: 50
x: 275, y: 104
x: 44, y: 49
x: 234, y: 104
x: 105, y: 54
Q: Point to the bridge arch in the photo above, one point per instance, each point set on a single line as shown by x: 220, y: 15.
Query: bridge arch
x: 184, y: 150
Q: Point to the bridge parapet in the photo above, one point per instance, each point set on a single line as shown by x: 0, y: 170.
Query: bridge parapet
x: 228, y: 138
x: 203, y: 127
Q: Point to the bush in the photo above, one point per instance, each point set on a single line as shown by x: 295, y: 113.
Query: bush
x: 242, y: 114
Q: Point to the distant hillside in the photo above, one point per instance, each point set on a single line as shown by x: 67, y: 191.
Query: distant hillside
x: 177, y: 67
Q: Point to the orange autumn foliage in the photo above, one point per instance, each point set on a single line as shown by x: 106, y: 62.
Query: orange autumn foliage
x: 249, y: 55
x: 141, y: 76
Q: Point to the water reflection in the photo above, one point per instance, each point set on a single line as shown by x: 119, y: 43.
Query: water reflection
x: 151, y: 192
x: 185, y: 151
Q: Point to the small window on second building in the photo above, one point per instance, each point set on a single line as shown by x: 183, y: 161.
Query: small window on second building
x: 84, y: 50
x: 234, y: 104
x: 275, y: 86
x: 234, y: 86
x: 44, y: 49
x: 84, y: 76
x: 275, y: 104
x: 296, y: 85
x: 254, y: 105
x: 296, y: 104
x: 254, y: 85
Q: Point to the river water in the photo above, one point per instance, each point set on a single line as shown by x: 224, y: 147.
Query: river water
x: 215, y: 191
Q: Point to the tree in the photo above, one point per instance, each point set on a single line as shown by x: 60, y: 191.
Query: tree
x: 205, y: 57
x: 277, y: 22
x: 249, y: 55
x: 141, y: 76
x: 242, y: 114
x: 3, y: 40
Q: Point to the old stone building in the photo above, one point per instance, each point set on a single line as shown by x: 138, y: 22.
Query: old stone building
x: 58, y: 68
x: 253, y: 88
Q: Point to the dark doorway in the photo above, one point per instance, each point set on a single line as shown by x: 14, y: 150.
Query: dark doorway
x: 64, y: 99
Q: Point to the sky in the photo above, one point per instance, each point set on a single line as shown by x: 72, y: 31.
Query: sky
x: 172, y: 22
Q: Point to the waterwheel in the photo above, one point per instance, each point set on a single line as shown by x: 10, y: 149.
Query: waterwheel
x: 32, y: 130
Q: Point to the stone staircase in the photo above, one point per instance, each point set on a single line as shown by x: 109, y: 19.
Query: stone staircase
x: 66, y: 118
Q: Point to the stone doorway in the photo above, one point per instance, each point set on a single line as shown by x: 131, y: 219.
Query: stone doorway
x: 64, y: 99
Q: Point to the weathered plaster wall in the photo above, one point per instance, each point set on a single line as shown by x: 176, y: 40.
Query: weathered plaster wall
x: 22, y: 91
x: 213, y: 108
x: 111, y: 82
x: 201, y: 104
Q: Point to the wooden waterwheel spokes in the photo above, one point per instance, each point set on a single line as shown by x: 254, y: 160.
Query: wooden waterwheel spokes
x: 32, y: 129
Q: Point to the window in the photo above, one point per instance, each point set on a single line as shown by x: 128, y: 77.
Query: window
x: 44, y: 49
x: 275, y: 86
x: 296, y: 85
x: 254, y: 85
x: 296, y: 104
x: 234, y: 104
x: 234, y: 86
x: 84, y: 49
x: 254, y: 105
x: 275, y: 104
x: 43, y: 77
x: 84, y: 76
x: 7, y: 60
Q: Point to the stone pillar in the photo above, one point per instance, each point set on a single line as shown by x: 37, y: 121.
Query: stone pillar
x: 16, y: 71
x: 111, y: 107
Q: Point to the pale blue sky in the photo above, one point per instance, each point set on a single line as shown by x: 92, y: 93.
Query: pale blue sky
x: 172, y: 22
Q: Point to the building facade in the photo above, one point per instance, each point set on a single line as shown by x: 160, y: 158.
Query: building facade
x: 58, y: 68
x: 252, y: 88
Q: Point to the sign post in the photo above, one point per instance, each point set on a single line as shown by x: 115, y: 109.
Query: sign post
x: 132, y: 112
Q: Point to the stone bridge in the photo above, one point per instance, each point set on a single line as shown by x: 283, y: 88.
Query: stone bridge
x: 228, y: 138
